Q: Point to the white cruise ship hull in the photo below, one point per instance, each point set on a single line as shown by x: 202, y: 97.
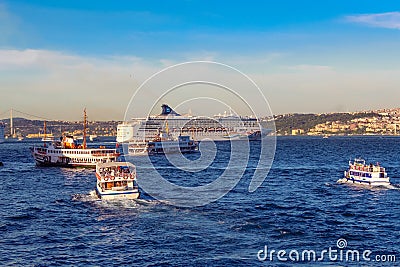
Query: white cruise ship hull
x: 129, y: 133
x: 200, y: 128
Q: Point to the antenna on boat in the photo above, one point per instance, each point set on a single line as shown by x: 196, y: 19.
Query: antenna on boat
x: 11, y: 124
x: 84, y: 128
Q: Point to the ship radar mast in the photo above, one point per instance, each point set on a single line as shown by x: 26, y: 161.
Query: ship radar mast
x: 44, y: 134
x: 84, y: 128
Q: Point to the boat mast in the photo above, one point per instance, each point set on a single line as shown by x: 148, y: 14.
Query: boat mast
x: 11, y: 123
x: 84, y: 128
x: 44, y: 134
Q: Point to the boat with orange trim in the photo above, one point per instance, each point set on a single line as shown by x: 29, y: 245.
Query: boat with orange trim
x: 116, y: 180
x: 68, y: 153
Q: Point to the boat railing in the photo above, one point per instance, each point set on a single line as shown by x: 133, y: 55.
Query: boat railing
x: 365, y: 168
x: 122, y: 176
x: 114, y: 154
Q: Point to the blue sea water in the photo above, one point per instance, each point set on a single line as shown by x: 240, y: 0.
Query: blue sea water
x: 48, y: 216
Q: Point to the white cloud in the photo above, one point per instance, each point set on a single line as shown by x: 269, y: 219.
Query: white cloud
x: 11, y: 58
x: 57, y: 85
x: 390, y: 20
x: 60, y: 84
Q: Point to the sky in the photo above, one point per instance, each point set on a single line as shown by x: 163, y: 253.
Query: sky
x: 59, y: 57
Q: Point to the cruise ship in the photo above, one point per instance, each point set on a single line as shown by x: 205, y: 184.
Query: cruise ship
x: 1, y: 132
x: 217, y: 128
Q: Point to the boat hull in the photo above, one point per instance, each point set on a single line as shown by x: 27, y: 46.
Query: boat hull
x: 361, y: 181
x: 131, y: 194
x: 183, y: 145
x: 62, y: 158
x: 41, y: 163
x: 45, y: 162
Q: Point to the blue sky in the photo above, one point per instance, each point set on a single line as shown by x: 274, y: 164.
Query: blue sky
x: 306, y: 56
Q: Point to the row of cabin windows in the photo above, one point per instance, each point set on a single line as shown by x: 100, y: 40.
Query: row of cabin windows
x: 79, y: 152
x: 361, y: 174
x: 67, y: 152
x: 85, y: 160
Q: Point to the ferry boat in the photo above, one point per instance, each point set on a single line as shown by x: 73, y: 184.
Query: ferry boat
x: 68, y: 153
x: 218, y: 128
x: 116, y: 180
x: 163, y: 144
x: 361, y: 173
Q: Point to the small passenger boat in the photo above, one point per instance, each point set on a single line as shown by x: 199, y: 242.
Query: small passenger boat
x: 116, y: 180
x: 163, y: 144
x: 361, y: 173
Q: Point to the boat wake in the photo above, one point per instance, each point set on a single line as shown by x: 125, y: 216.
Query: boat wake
x: 394, y: 186
x: 123, y: 203
x: 86, y: 197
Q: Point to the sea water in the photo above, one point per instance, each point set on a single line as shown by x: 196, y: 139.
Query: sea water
x: 50, y: 216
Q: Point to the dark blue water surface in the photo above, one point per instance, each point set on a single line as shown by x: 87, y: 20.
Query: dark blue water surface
x: 49, y: 218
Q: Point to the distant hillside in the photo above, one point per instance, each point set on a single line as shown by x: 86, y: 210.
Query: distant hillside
x: 286, y: 123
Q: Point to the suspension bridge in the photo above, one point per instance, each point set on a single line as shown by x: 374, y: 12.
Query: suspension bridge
x: 20, y: 124
x: 16, y: 126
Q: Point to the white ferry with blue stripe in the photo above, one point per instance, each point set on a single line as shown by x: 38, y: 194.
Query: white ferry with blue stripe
x: 366, y: 174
